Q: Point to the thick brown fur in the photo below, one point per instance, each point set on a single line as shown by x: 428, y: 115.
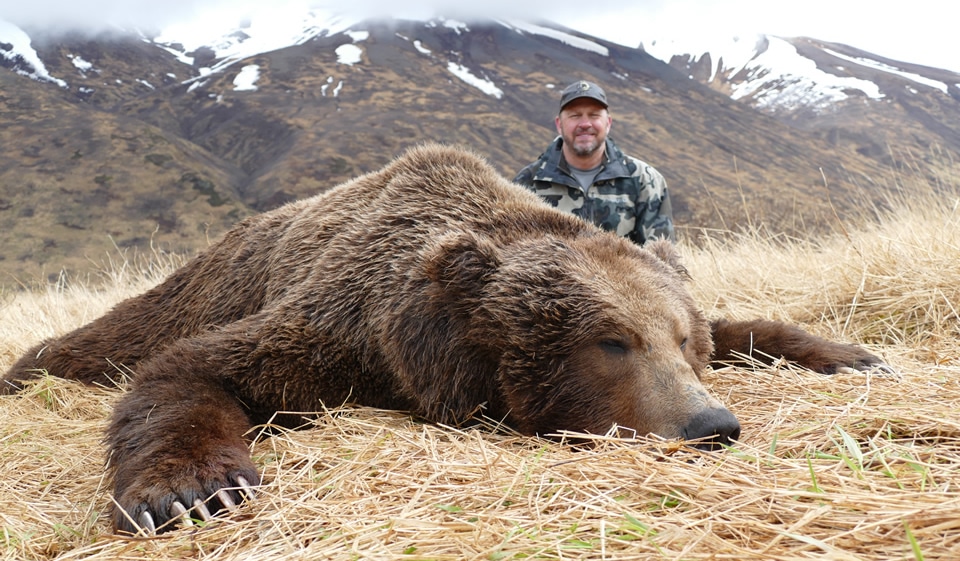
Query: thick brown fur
x: 432, y: 285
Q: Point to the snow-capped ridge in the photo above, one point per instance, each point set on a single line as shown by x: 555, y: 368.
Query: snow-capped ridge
x: 731, y: 54
x: 265, y: 31
x: 773, y: 74
x: 780, y: 78
x: 234, y: 45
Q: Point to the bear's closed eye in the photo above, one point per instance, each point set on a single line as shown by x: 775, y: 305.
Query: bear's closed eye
x: 613, y: 346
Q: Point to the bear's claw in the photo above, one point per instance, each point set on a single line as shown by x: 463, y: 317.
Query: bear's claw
x: 245, y: 486
x: 146, y: 522
x: 201, y: 509
x: 883, y: 368
x: 226, y: 500
x: 878, y: 367
x: 180, y: 514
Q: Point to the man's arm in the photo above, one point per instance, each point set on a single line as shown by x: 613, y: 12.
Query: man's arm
x: 663, y: 223
x: 657, y: 219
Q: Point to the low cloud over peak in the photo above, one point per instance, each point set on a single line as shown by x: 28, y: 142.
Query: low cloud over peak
x: 105, y: 15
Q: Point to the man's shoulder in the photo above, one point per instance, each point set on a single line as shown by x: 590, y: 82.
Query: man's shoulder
x: 526, y: 173
x: 529, y: 172
x: 642, y: 169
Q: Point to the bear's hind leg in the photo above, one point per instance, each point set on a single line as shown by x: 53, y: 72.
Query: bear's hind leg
x: 767, y: 340
x: 54, y: 358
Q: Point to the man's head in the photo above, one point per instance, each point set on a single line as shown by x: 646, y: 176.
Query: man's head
x: 583, y: 122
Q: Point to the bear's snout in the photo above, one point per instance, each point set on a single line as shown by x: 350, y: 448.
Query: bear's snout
x: 715, y: 426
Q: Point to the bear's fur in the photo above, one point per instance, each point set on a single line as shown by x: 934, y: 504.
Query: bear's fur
x: 433, y: 285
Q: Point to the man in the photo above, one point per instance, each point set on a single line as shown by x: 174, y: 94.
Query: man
x: 585, y: 173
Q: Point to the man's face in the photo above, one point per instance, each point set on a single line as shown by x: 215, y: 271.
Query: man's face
x: 583, y: 124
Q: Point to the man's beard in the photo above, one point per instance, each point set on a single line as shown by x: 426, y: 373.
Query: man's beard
x: 587, y: 149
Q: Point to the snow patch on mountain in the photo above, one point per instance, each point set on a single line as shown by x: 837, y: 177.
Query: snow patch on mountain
x: 565, y: 38
x: 246, y: 80
x: 420, y: 48
x: 16, y: 48
x: 82, y: 65
x: 417, y: 44
x: 891, y: 69
x: 462, y: 72
x: 482, y: 84
x: 357, y: 36
x: 349, y: 54
x: 335, y: 92
x: 457, y: 26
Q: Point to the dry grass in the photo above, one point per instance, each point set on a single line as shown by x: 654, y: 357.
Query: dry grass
x: 845, y: 467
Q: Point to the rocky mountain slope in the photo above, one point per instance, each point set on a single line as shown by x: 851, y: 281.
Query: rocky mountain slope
x: 846, y: 96
x: 122, y: 141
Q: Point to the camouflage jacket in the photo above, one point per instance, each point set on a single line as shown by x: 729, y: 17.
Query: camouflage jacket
x: 627, y: 196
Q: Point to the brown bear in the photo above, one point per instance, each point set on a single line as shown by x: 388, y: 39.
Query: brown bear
x: 434, y: 286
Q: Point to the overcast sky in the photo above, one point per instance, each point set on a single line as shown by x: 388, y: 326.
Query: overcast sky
x: 919, y: 31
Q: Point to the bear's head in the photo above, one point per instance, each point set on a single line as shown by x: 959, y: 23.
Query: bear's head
x: 576, y: 334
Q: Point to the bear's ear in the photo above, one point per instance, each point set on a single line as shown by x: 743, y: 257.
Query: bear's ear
x: 461, y: 261
x: 666, y: 252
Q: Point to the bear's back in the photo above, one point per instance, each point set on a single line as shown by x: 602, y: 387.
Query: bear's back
x: 384, y: 218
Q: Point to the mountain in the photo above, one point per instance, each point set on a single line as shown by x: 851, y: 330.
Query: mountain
x: 134, y: 142
x: 846, y: 96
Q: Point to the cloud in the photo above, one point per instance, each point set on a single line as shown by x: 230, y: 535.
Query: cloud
x: 918, y: 31
x: 103, y: 15
x: 98, y: 15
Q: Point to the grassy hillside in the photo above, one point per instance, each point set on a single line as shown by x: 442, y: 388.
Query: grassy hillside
x: 132, y: 156
x: 853, y: 466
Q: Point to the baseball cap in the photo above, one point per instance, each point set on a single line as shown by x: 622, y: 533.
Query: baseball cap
x: 582, y: 88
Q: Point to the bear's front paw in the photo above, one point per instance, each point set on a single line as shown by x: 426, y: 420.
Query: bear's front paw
x: 851, y: 359
x: 152, y: 504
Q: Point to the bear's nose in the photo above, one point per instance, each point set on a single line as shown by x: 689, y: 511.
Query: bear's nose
x: 712, y: 427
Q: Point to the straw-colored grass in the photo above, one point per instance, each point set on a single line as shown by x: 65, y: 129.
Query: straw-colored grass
x: 853, y: 466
